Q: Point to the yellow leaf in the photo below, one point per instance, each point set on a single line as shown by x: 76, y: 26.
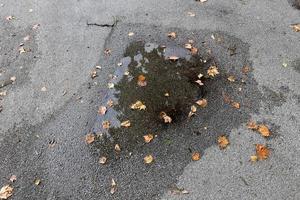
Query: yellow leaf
x: 148, y: 159
x: 148, y: 138
x: 252, y: 125
x: 253, y: 158
x: 296, y: 27
x: 90, y: 138
x: 138, y: 106
x: 264, y: 130
x: 262, y: 152
x: 196, y: 156
x: 6, y: 191
x: 223, y: 142
x: 212, y: 71
x: 235, y: 105
x: 202, y: 103
x: 37, y: 181
x: 126, y: 124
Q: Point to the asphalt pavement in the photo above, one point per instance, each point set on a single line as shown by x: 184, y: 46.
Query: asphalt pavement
x: 50, y: 102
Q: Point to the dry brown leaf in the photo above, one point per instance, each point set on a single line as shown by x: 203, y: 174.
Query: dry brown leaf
x: 148, y: 159
x: 117, y: 147
x: 202, y: 103
x: 37, y: 181
x: 262, y: 152
x: 245, y: 69
x: 196, y: 156
x: 110, y: 103
x: 138, y: 105
x: 252, y: 125
x: 231, y: 78
x: 165, y: 117
x: 148, y: 138
x: 105, y: 124
x: 93, y: 74
x: 102, y: 160
x: 6, y: 192
x: 212, y: 71
x: 235, y: 105
x: 172, y: 35
x: 296, y: 27
x: 142, y: 81
x: 113, y: 186
x: 13, y: 178
x: 173, y: 58
x: 264, y: 130
x: 223, y: 142
x: 194, y: 50
x: 126, y: 124
x: 193, y: 111
x: 102, y: 110
x: 90, y: 138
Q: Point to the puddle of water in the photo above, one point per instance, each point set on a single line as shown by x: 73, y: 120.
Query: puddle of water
x: 171, y: 88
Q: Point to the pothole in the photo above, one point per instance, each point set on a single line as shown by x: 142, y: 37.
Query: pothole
x: 169, y: 86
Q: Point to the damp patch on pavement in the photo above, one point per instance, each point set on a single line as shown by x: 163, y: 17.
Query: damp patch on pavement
x: 148, y: 53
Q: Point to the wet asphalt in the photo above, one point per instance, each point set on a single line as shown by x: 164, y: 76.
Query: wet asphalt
x: 42, y: 132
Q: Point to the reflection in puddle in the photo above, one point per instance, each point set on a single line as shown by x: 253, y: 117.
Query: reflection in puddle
x: 170, y: 88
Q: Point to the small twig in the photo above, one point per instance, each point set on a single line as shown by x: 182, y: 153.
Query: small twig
x: 101, y: 25
x: 5, y: 83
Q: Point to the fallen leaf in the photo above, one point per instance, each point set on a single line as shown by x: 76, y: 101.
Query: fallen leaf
x: 165, y: 117
x: 44, y: 89
x: 193, y: 111
x: 117, y: 148
x: 110, y: 103
x: 13, y: 178
x: 262, y: 152
x: 173, y: 58
x: 110, y: 85
x: 191, y: 14
x: 37, y: 181
x: 231, y: 78
x: 245, y: 69
x: 10, y: 17
x: 22, y: 50
x: 102, y: 110
x: 264, y: 130
x: 148, y: 159
x: 90, y: 138
x: 6, y: 192
x: 36, y: 26
x: 177, y: 191
x: 131, y: 34
x: 252, y: 125
x: 142, y: 81
x: 172, y: 35
x: 13, y: 78
x: 212, y: 71
x: 126, y: 124
x: 296, y: 27
x: 202, y: 103
x: 235, y: 105
x: 106, y: 124
x: 194, y: 50
x: 102, y: 160
x: 93, y: 74
x: 113, y: 186
x: 3, y: 93
x: 199, y: 82
x: 253, y: 158
x: 223, y: 142
x: 196, y: 156
x: 138, y: 105
x: 200, y: 75
x: 107, y: 52
x: 188, y: 46
x: 148, y: 138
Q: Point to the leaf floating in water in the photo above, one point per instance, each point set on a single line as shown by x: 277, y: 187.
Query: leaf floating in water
x: 138, y: 105
x: 167, y: 119
x: 126, y: 124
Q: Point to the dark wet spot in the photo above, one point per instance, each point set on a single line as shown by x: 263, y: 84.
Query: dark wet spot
x: 273, y: 98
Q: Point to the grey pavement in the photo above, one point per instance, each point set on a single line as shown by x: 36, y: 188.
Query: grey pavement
x: 63, y: 52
